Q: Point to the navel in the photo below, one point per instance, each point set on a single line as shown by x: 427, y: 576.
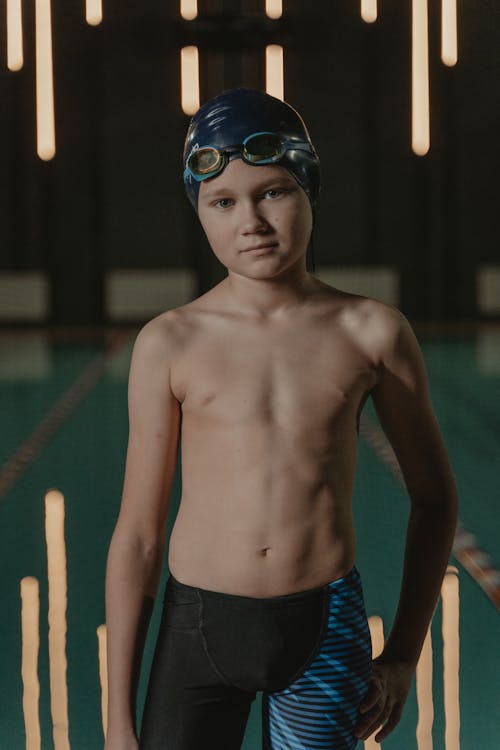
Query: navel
x: 207, y: 398
x: 264, y: 551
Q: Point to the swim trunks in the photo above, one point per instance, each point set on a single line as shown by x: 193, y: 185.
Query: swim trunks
x: 309, y: 653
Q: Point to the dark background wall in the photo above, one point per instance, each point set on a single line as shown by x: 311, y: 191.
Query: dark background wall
x: 112, y: 197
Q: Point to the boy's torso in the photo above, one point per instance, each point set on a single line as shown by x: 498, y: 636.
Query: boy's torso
x: 269, y: 432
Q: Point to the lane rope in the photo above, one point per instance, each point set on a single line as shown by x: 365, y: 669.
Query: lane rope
x: 31, y: 447
x: 466, y: 548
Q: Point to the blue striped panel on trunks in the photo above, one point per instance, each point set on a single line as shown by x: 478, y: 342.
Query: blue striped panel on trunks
x: 319, y: 710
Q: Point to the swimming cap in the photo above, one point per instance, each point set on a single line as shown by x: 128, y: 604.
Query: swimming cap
x: 228, y: 118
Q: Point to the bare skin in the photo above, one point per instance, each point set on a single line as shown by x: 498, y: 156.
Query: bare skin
x: 269, y: 438
x: 262, y: 381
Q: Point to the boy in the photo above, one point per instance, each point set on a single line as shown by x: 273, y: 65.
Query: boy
x: 264, y: 378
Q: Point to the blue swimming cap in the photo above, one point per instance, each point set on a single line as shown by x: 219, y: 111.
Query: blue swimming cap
x: 228, y: 118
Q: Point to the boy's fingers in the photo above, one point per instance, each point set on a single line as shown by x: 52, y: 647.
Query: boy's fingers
x: 371, y: 728
x: 371, y: 698
x: 389, y: 725
x: 371, y: 721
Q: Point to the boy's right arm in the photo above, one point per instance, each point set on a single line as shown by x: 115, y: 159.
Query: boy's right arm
x: 138, y: 543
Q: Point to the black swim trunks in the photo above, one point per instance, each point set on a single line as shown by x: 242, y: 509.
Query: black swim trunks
x: 309, y: 653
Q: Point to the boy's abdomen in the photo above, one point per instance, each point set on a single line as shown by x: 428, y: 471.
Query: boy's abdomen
x: 220, y: 553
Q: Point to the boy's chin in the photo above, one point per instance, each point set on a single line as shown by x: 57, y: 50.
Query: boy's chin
x: 263, y: 272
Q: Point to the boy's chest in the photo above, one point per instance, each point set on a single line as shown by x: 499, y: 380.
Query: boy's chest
x: 292, y: 376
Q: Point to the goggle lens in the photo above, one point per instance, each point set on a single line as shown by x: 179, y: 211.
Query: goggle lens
x: 204, y: 160
x: 263, y: 146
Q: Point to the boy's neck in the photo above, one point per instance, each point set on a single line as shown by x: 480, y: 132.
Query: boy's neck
x: 268, y: 297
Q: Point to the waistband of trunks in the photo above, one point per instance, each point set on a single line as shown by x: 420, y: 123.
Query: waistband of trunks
x: 337, y: 586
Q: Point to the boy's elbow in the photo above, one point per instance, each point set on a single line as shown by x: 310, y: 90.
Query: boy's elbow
x: 144, y: 546
x: 439, y: 510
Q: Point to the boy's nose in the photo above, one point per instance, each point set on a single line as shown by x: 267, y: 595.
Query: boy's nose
x: 252, y: 219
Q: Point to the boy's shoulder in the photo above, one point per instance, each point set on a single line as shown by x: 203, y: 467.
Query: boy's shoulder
x: 159, y: 333
x: 364, y: 310
x: 375, y: 325
x: 169, y: 329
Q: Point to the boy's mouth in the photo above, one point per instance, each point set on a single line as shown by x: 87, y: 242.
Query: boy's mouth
x: 260, y: 247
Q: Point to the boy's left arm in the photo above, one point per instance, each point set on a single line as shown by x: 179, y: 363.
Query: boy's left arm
x: 402, y: 402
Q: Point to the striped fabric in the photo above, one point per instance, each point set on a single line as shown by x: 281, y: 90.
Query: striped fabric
x: 318, y: 711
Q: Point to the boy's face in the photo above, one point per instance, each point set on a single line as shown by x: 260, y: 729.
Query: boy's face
x: 245, y: 206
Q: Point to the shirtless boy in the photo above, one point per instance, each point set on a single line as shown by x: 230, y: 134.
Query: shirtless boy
x: 266, y: 374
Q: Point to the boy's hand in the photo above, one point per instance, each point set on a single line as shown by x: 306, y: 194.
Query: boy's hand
x: 385, y: 699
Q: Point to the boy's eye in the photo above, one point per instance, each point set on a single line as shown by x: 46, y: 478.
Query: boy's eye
x: 277, y: 191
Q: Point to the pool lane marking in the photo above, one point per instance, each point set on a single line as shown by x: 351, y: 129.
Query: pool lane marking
x: 59, y: 412
x: 466, y: 548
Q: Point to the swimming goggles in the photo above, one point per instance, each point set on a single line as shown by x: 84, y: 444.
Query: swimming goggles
x: 257, y: 148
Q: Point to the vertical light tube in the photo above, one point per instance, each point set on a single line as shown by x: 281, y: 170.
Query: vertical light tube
x: 449, y: 44
x: 274, y: 71
x: 376, y: 626
x: 56, y: 569
x: 190, y: 80
x: 274, y: 8
x: 420, y: 78
x: 103, y: 675
x: 451, y: 658
x: 14, y: 35
x: 189, y: 9
x: 93, y: 12
x: 30, y: 636
x: 377, y: 635
x: 45, y: 127
x: 424, y: 695
x: 369, y: 10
